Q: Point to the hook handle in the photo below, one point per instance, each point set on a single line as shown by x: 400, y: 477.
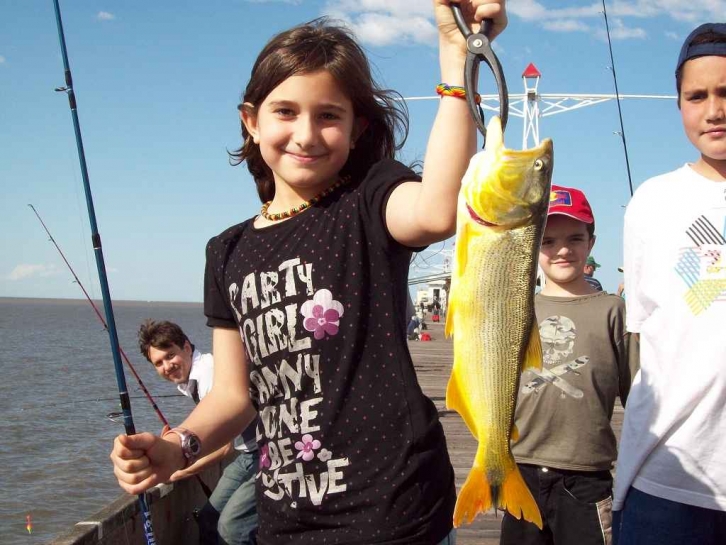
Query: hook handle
x: 464, y: 28
x: 479, y: 49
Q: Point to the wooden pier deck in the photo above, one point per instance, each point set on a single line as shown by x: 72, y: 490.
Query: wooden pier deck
x: 433, y: 361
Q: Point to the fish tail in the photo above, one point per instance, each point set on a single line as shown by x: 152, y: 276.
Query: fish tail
x: 474, y: 497
x: 515, y: 497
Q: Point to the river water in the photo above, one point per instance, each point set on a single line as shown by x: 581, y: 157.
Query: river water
x: 58, y: 386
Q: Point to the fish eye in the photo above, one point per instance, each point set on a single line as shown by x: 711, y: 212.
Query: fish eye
x: 539, y: 164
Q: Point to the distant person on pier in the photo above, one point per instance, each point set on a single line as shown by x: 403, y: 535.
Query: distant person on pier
x: 230, y: 515
x: 670, y: 486
x: 590, y: 267
x: 566, y: 447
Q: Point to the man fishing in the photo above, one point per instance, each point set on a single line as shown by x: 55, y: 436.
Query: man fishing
x: 230, y: 515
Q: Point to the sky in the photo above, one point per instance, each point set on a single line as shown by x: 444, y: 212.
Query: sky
x: 158, y: 83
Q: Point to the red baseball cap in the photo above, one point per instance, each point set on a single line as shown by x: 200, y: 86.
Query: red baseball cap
x: 571, y: 202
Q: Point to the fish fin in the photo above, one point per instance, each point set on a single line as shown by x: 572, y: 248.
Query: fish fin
x: 515, y: 497
x: 460, y: 257
x: 533, y: 356
x: 474, y: 497
x: 456, y: 400
x: 515, y: 433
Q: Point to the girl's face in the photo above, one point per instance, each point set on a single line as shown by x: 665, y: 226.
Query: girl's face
x: 565, y: 247
x: 703, y: 105
x: 305, y: 129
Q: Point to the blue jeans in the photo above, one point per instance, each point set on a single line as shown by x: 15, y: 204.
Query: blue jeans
x: 450, y: 539
x: 230, y: 515
x: 649, y: 520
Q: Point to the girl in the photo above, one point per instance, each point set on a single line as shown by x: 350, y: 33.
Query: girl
x: 307, y: 299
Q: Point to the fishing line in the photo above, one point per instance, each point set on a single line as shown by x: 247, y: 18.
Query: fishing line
x: 164, y: 421
x: 617, y: 98
x: 103, y: 322
x: 88, y: 400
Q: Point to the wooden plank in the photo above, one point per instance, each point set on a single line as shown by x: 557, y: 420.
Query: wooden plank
x: 433, y: 360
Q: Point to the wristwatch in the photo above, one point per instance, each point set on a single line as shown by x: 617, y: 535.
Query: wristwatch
x: 190, y: 444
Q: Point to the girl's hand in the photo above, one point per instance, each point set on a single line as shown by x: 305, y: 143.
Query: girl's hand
x: 474, y: 12
x: 145, y: 460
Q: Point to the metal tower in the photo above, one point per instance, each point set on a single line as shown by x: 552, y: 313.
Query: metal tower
x: 531, y: 105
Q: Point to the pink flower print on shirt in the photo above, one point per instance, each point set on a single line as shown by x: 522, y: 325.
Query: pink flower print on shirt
x: 265, y: 461
x: 322, y: 314
x: 307, y: 447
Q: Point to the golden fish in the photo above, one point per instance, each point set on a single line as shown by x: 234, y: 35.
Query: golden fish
x: 501, y: 215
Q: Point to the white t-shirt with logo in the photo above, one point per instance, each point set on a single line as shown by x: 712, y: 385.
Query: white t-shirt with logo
x: 673, y: 443
x: 201, y: 378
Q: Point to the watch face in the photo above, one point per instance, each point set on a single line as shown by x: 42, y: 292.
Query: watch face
x: 195, y: 445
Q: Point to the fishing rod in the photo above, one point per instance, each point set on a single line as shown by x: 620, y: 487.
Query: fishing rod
x: 98, y: 251
x: 617, y: 99
x: 164, y: 421
x: 103, y: 322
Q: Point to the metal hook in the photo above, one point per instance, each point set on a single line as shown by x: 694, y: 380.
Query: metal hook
x: 479, y: 49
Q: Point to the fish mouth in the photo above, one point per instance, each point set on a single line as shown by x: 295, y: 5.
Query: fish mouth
x: 478, y: 219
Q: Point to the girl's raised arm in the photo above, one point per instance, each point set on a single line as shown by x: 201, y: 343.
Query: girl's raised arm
x: 452, y: 141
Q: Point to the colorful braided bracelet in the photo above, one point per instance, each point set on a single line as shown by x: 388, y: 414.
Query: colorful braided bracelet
x: 444, y: 90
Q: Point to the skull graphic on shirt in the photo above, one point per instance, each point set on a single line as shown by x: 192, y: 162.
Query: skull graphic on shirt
x: 558, y: 339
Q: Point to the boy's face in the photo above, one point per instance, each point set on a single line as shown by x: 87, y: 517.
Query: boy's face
x: 174, y: 363
x: 703, y: 105
x: 565, y: 247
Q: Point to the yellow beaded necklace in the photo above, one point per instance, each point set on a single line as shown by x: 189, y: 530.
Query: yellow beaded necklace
x: 295, y: 210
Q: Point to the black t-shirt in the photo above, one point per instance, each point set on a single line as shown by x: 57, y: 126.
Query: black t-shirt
x: 351, y: 450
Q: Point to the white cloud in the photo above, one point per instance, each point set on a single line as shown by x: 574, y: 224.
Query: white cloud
x: 105, y: 16
x: 566, y: 25
x: 23, y: 271
x: 529, y: 10
x: 569, y: 19
x: 2, y: 59
x: 618, y: 31
x: 393, y: 7
x: 379, y: 22
x: 673, y: 36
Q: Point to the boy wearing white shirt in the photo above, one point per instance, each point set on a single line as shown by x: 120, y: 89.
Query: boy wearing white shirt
x: 670, y: 485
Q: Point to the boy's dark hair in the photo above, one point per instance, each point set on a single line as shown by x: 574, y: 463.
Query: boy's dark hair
x: 308, y: 48
x: 590, y: 229
x: 706, y: 37
x: 161, y: 335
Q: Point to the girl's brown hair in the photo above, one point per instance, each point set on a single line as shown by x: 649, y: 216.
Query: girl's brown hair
x: 308, y: 48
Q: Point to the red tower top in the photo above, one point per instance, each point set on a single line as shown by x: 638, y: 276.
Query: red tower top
x: 531, y: 72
